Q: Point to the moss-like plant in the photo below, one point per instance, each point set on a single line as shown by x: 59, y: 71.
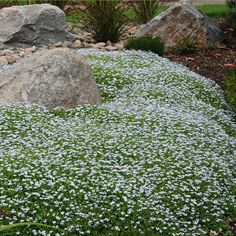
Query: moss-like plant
x: 146, y: 43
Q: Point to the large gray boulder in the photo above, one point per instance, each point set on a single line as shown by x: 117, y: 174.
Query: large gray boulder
x: 51, y: 78
x: 33, y: 24
x: 183, y: 21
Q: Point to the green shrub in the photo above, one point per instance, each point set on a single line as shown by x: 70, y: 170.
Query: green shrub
x: 231, y: 3
x: 104, y: 19
x: 145, y: 9
x: 231, y: 18
x: 185, y: 46
x: 230, y: 88
x: 146, y: 43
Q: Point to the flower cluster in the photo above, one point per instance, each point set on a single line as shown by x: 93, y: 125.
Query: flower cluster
x: 158, y: 155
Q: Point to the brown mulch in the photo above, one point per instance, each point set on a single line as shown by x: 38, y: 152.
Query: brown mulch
x: 215, y: 62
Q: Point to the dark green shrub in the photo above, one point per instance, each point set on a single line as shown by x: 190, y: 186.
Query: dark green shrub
x: 231, y: 3
x: 145, y: 10
x: 231, y: 16
x: 104, y: 19
x: 186, y: 46
x: 146, y: 43
x: 230, y: 88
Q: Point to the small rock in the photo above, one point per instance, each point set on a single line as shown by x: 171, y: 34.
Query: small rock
x: 7, y: 52
x: 110, y: 48
x: 229, y: 65
x: 92, y: 45
x: 78, y: 43
x: 66, y: 44
x: 11, y: 59
x: 3, y: 61
x: 109, y: 43
x: 189, y: 59
x: 101, y: 44
x: 58, y: 44
x: 22, y: 53
x: 132, y: 30
x: 51, y: 46
x: 28, y: 51
x: 74, y: 46
x: 119, y: 46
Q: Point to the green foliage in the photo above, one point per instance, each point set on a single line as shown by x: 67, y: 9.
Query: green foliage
x: 104, y: 19
x: 231, y: 16
x: 230, y: 88
x: 15, y: 226
x: 185, y: 46
x: 231, y: 3
x: 146, y: 43
x: 146, y: 9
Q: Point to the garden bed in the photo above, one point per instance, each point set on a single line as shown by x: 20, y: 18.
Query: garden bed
x: 158, y: 155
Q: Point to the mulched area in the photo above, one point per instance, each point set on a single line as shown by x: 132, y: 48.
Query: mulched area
x: 215, y: 62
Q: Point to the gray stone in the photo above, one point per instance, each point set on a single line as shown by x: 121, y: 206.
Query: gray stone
x: 51, y: 78
x: 33, y: 24
x: 183, y: 21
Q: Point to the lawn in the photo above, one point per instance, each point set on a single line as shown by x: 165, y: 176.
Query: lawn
x: 158, y: 155
x: 215, y: 11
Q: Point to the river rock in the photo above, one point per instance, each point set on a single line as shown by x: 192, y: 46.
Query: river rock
x: 183, y: 21
x: 33, y: 24
x: 50, y: 78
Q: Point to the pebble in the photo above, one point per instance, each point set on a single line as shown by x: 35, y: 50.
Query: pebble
x: 109, y: 43
x: 110, y: 48
x: 101, y: 44
x: 7, y: 52
x: 92, y: 45
x: 11, y: 59
x: 78, y: 43
x: 13, y: 55
x: 132, y: 30
x: 66, y: 44
x: 58, y: 44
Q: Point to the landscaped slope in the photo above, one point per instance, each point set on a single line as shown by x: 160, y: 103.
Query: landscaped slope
x: 159, y: 155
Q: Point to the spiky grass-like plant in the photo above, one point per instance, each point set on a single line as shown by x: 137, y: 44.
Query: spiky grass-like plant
x: 145, y: 9
x: 104, y: 19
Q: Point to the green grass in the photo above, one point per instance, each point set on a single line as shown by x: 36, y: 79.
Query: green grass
x: 214, y: 11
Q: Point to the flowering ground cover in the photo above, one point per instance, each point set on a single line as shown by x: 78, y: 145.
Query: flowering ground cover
x: 158, y: 155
